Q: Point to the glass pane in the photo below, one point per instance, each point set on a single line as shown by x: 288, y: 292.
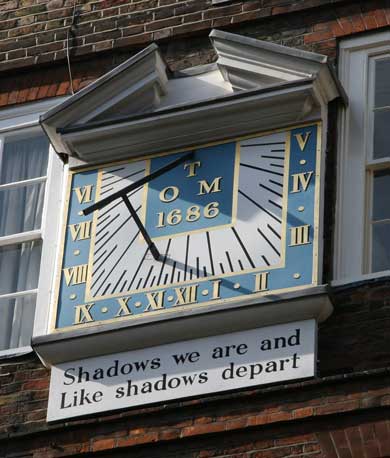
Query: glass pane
x: 381, y: 208
x: 16, y: 324
x: 21, y: 209
x: 381, y: 134
x: 19, y: 266
x: 24, y: 158
x: 380, y: 247
x: 382, y: 83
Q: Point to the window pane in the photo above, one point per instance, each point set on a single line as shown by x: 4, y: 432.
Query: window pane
x: 21, y: 209
x: 380, y: 247
x: 381, y: 208
x: 382, y: 83
x: 381, y: 134
x: 19, y: 266
x: 16, y: 324
x: 24, y: 158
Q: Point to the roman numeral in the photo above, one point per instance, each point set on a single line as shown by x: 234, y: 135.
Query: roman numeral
x: 76, y: 274
x: 156, y: 300
x: 302, y: 140
x: 216, y: 289
x: 123, y: 308
x: 84, y: 193
x: 300, y: 235
x: 261, y: 282
x: 301, y: 180
x: 83, y: 314
x: 80, y: 231
x: 187, y: 295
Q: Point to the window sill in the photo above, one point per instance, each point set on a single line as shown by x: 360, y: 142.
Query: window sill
x: 352, y: 281
x: 15, y: 352
x: 81, y: 343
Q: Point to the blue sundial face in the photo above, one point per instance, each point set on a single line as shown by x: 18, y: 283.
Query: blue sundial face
x: 237, y: 219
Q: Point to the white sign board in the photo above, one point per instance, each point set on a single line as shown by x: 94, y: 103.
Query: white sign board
x: 179, y: 370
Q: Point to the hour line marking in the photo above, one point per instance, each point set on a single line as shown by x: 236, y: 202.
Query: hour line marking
x: 229, y: 261
x: 148, y: 276
x: 139, y: 266
x: 186, y: 257
x: 261, y: 208
x: 270, y: 190
x: 115, y: 204
x: 106, y: 190
x: 173, y: 271
x: 268, y: 241
x: 124, y: 178
x: 124, y: 222
x: 276, y: 182
x: 123, y: 286
x: 164, y: 261
x: 273, y: 230
x: 262, y: 144
x: 265, y: 260
x: 261, y: 169
x: 95, y: 261
x: 117, y: 283
x: 272, y: 157
x: 101, y: 221
x: 275, y: 204
x: 106, y: 177
x: 106, y: 289
x: 120, y: 258
x: 210, y: 253
x: 97, y: 279
x: 97, y: 267
x: 108, y: 224
x: 243, y: 247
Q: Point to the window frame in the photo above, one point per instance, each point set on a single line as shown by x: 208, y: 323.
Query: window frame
x: 356, y: 166
x: 25, y: 120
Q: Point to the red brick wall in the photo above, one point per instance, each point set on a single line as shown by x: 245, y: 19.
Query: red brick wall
x: 33, y: 34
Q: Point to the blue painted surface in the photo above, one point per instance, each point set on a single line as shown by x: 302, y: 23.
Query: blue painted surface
x: 215, y: 161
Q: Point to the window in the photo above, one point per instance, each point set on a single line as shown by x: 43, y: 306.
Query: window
x: 26, y: 159
x: 23, y: 169
x: 363, y: 223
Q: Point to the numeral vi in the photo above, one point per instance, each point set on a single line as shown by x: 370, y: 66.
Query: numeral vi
x: 84, y: 193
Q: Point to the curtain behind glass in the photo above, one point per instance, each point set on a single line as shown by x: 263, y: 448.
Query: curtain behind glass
x: 20, y: 211
x: 21, y: 207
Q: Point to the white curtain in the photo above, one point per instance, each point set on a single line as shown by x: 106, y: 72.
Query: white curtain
x: 20, y: 211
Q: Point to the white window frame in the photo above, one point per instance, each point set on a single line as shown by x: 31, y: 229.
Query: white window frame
x: 25, y: 120
x: 355, y: 164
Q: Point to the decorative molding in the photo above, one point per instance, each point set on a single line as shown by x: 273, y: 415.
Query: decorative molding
x: 139, y: 108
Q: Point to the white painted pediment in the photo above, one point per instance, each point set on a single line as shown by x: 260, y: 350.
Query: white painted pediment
x: 141, y: 106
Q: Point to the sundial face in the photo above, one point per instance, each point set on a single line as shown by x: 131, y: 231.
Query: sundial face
x: 236, y: 219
